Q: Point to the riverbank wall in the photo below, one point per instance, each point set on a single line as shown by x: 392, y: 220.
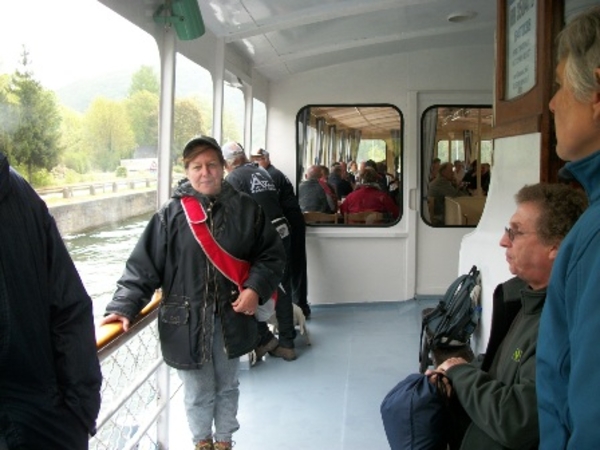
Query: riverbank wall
x: 76, y: 217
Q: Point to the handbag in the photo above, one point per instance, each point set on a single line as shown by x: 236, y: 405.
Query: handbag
x: 234, y: 269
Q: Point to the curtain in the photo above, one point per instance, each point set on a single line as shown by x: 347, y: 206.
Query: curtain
x: 332, y: 146
x: 429, y: 126
x: 320, y: 148
x: 354, y: 143
x: 303, y: 156
x: 396, y: 142
x: 342, y: 146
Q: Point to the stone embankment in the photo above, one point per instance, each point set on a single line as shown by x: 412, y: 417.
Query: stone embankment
x: 78, y: 214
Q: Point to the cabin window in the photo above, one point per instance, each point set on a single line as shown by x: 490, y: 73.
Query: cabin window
x: 233, y: 109
x: 456, y: 157
x: 351, y: 152
x: 193, y: 113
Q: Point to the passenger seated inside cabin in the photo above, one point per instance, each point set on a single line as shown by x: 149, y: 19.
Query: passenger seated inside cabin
x: 459, y: 171
x: 386, y: 178
x: 470, y: 178
x: 368, y: 196
x: 485, y: 177
x: 434, y: 169
x: 443, y: 186
x: 312, y: 196
x: 332, y: 198
x: 341, y: 186
x: 352, y: 172
x: 498, y: 397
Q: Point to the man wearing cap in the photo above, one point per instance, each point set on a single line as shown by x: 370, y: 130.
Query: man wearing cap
x: 252, y: 179
x: 293, y: 213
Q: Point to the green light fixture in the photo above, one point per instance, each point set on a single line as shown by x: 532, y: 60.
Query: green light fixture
x: 184, y: 16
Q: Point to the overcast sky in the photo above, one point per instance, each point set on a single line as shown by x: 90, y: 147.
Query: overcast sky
x: 69, y: 40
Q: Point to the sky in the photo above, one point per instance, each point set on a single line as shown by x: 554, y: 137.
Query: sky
x: 70, y: 40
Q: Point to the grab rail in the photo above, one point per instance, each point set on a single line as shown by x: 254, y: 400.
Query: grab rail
x: 136, y: 385
x: 106, y: 335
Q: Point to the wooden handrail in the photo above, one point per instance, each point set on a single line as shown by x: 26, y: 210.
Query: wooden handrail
x: 105, y: 334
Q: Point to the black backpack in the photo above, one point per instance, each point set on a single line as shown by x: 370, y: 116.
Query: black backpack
x: 451, y: 323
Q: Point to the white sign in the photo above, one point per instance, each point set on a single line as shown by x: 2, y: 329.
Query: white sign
x: 521, y: 31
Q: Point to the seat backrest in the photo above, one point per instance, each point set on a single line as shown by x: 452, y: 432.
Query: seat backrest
x: 320, y: 217
x: 453, y: 214
x: 364, y: 218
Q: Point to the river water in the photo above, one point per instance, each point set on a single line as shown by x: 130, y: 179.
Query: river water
x: 100, y: 254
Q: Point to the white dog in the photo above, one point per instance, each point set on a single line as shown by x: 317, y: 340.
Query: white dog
x: 299, y: 322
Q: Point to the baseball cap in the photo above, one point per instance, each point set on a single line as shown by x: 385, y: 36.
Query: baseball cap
x: 231, y: 150
x: 200, y: 140
x: 260, y: 152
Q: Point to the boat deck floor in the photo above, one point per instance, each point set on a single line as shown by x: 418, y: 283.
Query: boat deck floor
x: 329, y: 397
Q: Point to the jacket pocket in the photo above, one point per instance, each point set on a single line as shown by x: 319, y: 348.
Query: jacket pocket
x: 176, y: 324
x: 175, y: 313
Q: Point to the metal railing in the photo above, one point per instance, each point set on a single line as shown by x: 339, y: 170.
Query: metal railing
x: 95, y: 188
x: 136, y: 387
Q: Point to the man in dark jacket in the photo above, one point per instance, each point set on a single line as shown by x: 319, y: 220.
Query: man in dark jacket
x: 312, y: 196
x: 499, y: 397
x: 336, y: 179
x: 293, y: 213
x: 252, y: 179
x: 49, y: 371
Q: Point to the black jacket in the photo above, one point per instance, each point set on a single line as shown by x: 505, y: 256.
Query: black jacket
x: 168, y: 256
x: 49, y: 372
x: 256, y: 182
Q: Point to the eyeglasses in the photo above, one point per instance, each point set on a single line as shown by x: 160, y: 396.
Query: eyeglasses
x: 512, y: 234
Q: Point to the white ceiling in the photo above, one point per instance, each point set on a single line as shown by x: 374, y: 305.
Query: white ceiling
x: 282, y: 37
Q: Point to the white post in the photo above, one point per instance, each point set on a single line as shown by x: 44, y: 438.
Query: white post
x: 167, y: 100
x: 249, y: 111
x: 218, y: 77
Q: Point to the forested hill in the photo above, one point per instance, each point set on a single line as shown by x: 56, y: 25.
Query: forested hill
x: 115, y: 85
x: 79, y: 94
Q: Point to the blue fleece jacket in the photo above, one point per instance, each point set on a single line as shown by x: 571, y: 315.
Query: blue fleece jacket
x: 568, y: 379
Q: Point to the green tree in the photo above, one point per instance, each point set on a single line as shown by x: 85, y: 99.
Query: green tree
x: 35, y: 139
x: 75, y: 155
x: 144, y: 80
x: 108, y: 136
x: 187, y: 123
x: 142, y: 107
x: 231, y: 128
x: 8, y: 114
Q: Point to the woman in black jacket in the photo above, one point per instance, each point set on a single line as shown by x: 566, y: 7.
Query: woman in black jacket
x: 205, y: 322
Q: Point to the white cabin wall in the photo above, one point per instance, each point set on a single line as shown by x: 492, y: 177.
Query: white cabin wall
x: 370, y: 265
x: 516, y: 163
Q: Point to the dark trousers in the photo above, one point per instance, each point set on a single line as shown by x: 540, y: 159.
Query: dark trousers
x: 299, y: 279
x: 283, y: 308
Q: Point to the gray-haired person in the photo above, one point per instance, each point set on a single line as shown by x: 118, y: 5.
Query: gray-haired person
x: 567, y: 383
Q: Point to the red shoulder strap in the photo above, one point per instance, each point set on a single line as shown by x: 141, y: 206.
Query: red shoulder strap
x: 231, y: 267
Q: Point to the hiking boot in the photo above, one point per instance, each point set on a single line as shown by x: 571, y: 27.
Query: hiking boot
x: 282, y: 352
x: 262, y: 350
x: 205, y: 444
x: 223, y: 445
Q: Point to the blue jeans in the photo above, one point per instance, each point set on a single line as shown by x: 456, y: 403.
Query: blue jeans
x: 212, y: 392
